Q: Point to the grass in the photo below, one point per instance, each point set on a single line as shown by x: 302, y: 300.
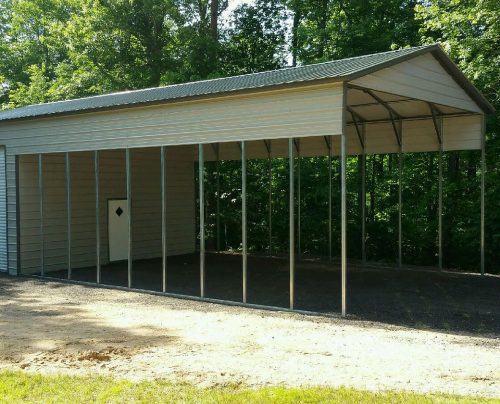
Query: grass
x: 18, y: 387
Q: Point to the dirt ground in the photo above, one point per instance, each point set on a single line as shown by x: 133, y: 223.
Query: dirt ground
x: 54, y: 327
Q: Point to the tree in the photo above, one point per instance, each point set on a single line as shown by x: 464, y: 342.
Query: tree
x: 470, y: 32
x: 328, y: 29
x: 255, y: 40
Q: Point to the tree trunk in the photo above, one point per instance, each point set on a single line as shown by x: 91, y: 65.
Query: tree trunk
x: 322, y: 28
x: 372, y: 188
x: 214, y: 16
x: 295, y: 35
x: 214, y: 34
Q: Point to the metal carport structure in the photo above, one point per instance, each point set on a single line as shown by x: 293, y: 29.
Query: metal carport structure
x: 409, y: 100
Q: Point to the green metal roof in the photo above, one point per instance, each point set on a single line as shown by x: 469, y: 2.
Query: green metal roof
x: 342, y: 70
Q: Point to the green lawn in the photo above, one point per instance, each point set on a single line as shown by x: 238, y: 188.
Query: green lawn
x: 23, y: 387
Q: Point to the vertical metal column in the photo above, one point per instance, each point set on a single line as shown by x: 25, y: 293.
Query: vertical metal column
x: 291, y: 220
x: 299, y: 232
x: 270, y: 174
x: 440, y: 199
x: 343, y: 158
x: 217, y: 200
x: 244, y: 217
x: 163, y: 168
x: 400, y: 202
x: 97, y: 217
x: 201, y: 185
x: 128, y: 165
x: 68, y: 209
x: 330, y: 147
x: 40, y: 204
x: 483, y: 174
x: 363, y: 202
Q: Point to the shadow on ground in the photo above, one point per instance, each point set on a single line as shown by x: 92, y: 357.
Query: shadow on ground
x: 33, y: 323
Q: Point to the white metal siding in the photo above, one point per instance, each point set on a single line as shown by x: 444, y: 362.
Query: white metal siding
x: 459, y: 133
x: 462, y: 133
x: 3, y: 212
x: 307, y: 111
x: 422, y: 78
x: 12, y: 213
x: 146, y: 205
x: 29, y: 214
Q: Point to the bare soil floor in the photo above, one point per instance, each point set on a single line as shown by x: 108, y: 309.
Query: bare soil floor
x: 55, y: 327
x: 425, y: 299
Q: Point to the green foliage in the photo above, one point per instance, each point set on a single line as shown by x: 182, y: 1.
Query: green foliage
x: 21, y: 387
x: 59, y: 49
x: 255, y: 39
x: 470, y: 32
x: 328, y: 29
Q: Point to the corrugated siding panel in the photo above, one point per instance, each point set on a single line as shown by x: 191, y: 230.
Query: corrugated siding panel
x: 181, y: 225
x: 380, y: 138
x: 422, y: 78
x: 83, y: 234
x: 419, y: 136
x: 462, y: 133
x: 308, y: 111
x: 29, y: 215
x: 3, y: 212
x: 309, y: 147
x: 146, y: 208
x: 12, y: 237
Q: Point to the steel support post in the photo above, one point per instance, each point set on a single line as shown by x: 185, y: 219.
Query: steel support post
x: 483, y: 175
x: 363, y: 205
x: 201, y: 184
x: 270, y: 202
x: 68, y: 210
x: 40, y: 204
x: 400, y: 201
x: 291, y: 220
x: 440, y: 200
x: 97, y: 217
x: 343, y: 192
x: 244, y: 217
x: 330, y: 147
x: 217, y: 200
x: 163, y: 167
x: 128, y: 167
x: 299, y: 230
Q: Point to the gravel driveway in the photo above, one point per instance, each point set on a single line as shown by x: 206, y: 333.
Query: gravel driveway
x: 55, y: 327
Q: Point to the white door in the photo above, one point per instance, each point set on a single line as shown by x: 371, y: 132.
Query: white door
x: 118, y: 229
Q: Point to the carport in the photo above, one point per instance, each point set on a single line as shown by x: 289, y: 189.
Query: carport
x: 110, y: 189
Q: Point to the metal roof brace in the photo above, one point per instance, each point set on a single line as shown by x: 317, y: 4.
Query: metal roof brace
x: 392, y: 114
x: 435, y: 113
x: 355, y: 118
